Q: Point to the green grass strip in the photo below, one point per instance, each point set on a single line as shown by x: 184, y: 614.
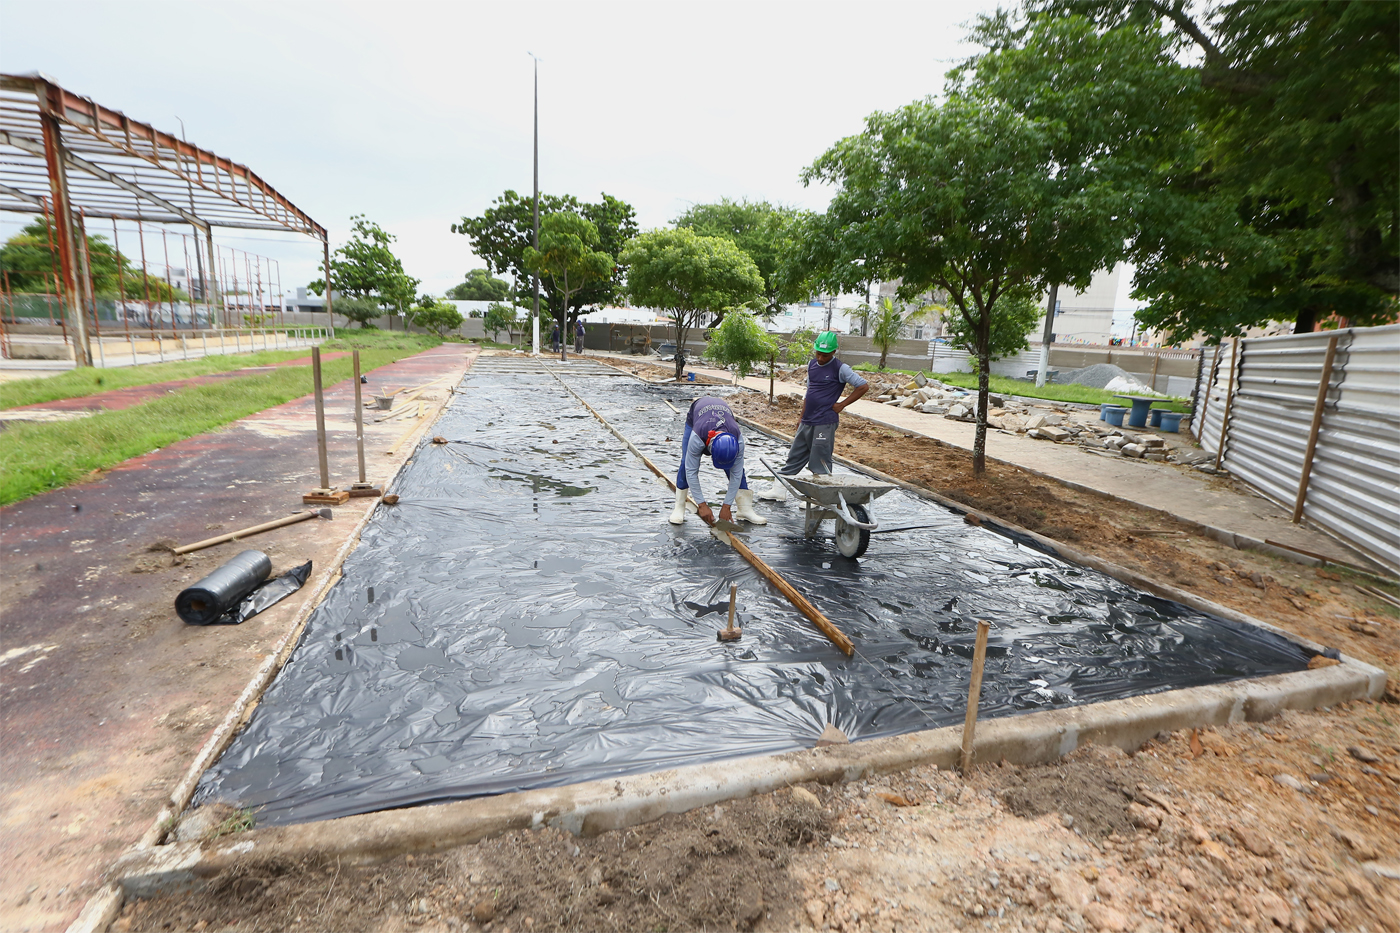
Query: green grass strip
x: 79, y: 383
x: 1052, y: 391
x: 37, y: 457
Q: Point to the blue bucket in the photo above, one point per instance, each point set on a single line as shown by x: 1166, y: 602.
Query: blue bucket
x: 1113, y: 414
x: 1171, y: 421
x: 691, y: 377
x: 1154, y: 417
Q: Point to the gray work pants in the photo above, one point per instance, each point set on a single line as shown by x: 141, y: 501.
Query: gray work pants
x: 812, y: 447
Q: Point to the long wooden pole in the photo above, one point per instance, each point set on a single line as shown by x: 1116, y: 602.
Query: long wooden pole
x: 836, y: 636
x: 1229, y: 397
x: 1322, y: 387
x: 974, y: 696
x: 255, y: 529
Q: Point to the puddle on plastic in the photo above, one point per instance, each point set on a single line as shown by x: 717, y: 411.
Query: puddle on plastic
x: 493, y: 632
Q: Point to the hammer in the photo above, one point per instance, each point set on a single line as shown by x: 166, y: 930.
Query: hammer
x: 731, y: 633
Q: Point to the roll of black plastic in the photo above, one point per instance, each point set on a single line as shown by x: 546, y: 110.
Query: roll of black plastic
x: 206, y: 601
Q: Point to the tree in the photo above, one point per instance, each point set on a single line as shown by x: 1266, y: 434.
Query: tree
x: 1017, y: 314
x: 886, y: 324
x: 27, y: 259
x: 759, y: 229
x: 365, y: 267
x: 740, y: 341
x: 689, y: 278
x: 1286, y: 205
x: 505, y: 230
x: 567, y: 257
x: 985, y: 196
x: 797, y: 349
x: 480, y: 286
x: 434, y: 315
x: 359, y: 309
x: 501, y: 317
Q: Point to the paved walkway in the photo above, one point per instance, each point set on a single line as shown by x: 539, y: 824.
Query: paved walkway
x: 105, y: 695
x: 1180, y: 490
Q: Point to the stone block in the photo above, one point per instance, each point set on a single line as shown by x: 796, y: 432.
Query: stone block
x: 1049, y: 432
x: 1134, y: 450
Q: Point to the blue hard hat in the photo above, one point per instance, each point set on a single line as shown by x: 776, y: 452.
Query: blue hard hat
x: 724, y: 449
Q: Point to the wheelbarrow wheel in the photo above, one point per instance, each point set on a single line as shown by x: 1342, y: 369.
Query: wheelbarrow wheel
x: 850, y: 540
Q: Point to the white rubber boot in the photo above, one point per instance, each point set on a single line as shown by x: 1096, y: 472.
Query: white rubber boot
x: 743, y: 508
x: 678, y: 516
x: 773, y: 492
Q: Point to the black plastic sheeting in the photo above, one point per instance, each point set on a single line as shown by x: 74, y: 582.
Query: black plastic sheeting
x: 525, y: 617
x: 238, y: 590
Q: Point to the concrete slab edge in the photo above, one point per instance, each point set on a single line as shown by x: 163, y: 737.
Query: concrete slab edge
x: 108, y: 902
x: 599, y: 806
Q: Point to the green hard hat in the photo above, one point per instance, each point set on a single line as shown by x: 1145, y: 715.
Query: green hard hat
x: 826, y: 342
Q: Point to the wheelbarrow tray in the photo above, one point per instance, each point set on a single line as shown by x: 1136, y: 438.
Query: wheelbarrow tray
x: 829, y: 489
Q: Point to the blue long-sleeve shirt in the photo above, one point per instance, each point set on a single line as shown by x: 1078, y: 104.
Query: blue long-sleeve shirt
x: 693, y: 451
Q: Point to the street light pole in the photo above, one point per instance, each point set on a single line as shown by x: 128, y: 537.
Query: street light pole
x: 535, y: 279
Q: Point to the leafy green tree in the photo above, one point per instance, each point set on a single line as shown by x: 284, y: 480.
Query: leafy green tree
x: 740, y: 341
x: 797, y: 349
x: 358, y: 309
x: 1017, y: 314
x: 365, y: 267
x: 567, y: 258
x: 886, y: 323
x: 689, y: 278
x: 480, y: 286
x: 758, y: 228
x: 501, y: 317
x: 984, y: 199
x: 434, y: 315
x: 1285, y: 205
x: 505, y: 230
x: 28, y: 260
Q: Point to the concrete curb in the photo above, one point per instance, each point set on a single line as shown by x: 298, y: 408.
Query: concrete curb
x: 599, y: 806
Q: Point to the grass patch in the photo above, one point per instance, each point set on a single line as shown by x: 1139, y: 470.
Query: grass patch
x: 35, y: 458
x: 1056, y: 392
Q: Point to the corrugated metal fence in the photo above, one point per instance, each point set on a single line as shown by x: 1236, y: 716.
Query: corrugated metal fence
x: 1332, y: 456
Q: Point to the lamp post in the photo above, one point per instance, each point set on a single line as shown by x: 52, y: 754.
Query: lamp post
x: 535, y: 279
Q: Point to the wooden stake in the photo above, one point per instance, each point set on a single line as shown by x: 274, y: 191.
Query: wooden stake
x: 974, y: 694
x: 730, y: 633
x: 1322, y: 388
x: 255, y: 529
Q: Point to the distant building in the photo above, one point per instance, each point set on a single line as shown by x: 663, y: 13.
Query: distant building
x: 1083, y: 317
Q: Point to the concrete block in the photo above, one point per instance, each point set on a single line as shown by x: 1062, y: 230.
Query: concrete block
x: 1035, y: 421
x: 1053, y: 433
x: 1134, y: 450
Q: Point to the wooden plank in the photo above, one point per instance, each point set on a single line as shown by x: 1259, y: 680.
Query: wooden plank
x: 1229, y: 397
x: 1322, y: 388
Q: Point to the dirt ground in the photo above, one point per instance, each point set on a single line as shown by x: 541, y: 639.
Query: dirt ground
x: 1191, y: 833
x: 1293, y: 823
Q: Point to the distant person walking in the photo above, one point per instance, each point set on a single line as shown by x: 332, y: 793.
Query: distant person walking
x: 578, y: 337
x: 554, y: 338
x: 815, y: 441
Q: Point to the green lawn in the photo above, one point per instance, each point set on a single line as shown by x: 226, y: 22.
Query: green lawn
x: 1002, y: 385
x: 38, y: 457
x: 78, y: 383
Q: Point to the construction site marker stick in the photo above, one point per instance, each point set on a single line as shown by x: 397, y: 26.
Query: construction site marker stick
x: 974, y: 695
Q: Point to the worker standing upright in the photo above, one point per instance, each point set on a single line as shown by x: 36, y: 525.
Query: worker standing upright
x: 711, y: 428
x: 815, y: 441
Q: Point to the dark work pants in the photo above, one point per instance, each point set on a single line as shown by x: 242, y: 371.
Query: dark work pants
x: 812, y: 447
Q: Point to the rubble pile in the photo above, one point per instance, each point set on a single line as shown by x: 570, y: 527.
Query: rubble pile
x: 1045, y: 421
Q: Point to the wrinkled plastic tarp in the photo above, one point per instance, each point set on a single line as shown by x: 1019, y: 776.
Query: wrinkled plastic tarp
x: 525, y: 617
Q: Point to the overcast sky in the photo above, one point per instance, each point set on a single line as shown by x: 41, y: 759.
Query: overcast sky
x: 416, y: 113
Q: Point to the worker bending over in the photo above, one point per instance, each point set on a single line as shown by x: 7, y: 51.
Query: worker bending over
x: 815, y: 441
x: 711, y: 428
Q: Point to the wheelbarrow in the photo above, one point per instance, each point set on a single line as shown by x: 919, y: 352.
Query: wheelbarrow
x: 844, y: 498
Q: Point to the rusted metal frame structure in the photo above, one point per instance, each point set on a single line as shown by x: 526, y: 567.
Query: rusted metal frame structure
x: 77, y: 155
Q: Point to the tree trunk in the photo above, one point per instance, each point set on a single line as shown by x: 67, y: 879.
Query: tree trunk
x: 984, y: 365
x: 680, y: 347
x: 884, y: 352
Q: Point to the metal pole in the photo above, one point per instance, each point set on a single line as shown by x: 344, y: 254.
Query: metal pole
x: 536, y: 277
x: 213, y: 287
x: 974, y: 695
x: 1048, y: 336
x: 359, y: 417
x: 1322, y: 388
x: 63, y: 221
x: 320, y: 418
x: 326, y: 264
